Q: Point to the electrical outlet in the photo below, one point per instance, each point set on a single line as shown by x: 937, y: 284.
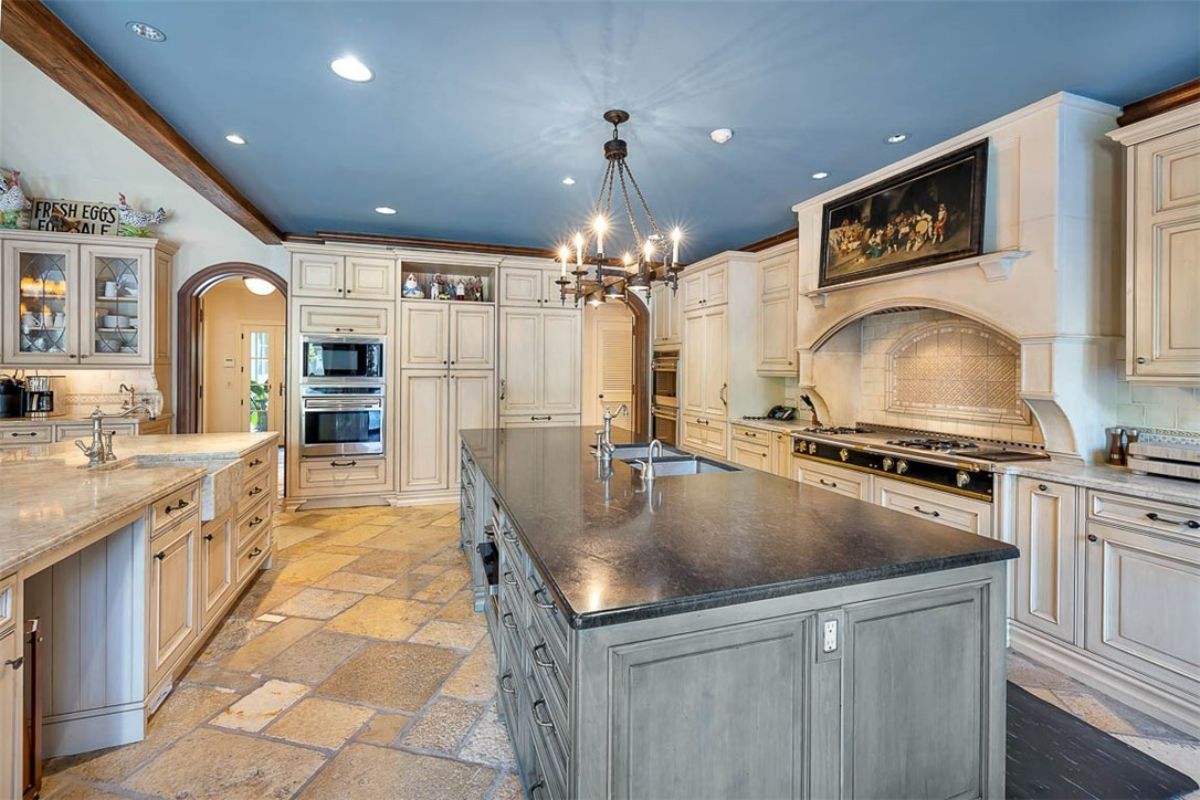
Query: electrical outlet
x: 830, y: 642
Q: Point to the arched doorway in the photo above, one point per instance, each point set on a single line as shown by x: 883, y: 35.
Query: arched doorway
x: 188, y: 367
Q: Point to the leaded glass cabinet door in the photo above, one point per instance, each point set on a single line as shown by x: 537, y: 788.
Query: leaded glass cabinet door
x: 117, y: 303
x: 40, y: 287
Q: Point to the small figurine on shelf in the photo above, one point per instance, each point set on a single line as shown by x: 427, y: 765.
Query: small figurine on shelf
x: 433, y: 286
x: 14, y: 205
x: 460, y: 290
x: 444, y: 292
x: 471, y: 294
x: 137, y: 223
x: 477, y: 288
x: 411, y: 287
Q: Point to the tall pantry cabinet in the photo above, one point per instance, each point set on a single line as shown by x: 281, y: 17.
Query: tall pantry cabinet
x: 541, y: 349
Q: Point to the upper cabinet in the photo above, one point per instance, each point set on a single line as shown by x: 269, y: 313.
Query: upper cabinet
x: 84, y: 301
x: 1162, y: 164
x: 666, y: 315
x: 352, y: 276
x: 777, y: 269
x: 704, y: 288
x: 437, y: 334
x: 531, y: 286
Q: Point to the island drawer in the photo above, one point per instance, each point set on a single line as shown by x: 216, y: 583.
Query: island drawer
x: 1147, y: 514
x: 549, y: 619
x: 249, y: 561
x: 256, y: 461
x: 254, y: 489
x: 552, y: 677
x: 547, y: 742
x: 175, y: 506
x: 8, y: 602
x: 28, y: 434
x: 251, y: 524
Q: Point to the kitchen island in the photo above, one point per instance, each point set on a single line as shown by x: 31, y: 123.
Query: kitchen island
x: 729, y: 634
x: 127, y: 567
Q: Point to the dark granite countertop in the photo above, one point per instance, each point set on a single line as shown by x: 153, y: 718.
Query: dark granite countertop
x: 612, y: 551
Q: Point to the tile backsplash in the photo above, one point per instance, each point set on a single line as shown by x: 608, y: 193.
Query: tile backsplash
x: 1166, y: 410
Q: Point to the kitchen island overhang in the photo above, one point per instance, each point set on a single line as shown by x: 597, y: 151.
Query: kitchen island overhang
x: 731, y: 634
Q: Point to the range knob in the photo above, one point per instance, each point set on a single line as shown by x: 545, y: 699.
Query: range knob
x: 812, y: 448
x: 844, y: 454
x: 901, y: 467
x: 961, y: 479
x: 888, y: 463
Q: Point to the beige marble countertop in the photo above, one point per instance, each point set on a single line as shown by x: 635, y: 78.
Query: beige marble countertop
x: 48, y: 498
x: 771, y: 424
x: 1115, y: 479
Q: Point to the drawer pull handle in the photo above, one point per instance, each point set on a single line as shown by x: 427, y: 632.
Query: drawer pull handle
x: 505, y: 621
x: 546, y: 602
x: 255, y: 553
x: 549, y: 662
x: 255, y: 522
x: 509, y: 579
x: 160, y: 556
x: 920, y: 510
x: 507, y: 688
x: 255, y: 463
x: 541, y: 418
x: 1191, y: 523
x: 509, y: 536
x: 343, y: 463
x: 182, y: 504
x: 542, y: 723
x: 343, y: 330
x: 1141, y: 359
x: 489, y: 530
x: 208, y: 537
x: 255, y: 492
x: 540, y: 785
x: 833, y: 484
x: 30, y: 433
x: 15, y: 663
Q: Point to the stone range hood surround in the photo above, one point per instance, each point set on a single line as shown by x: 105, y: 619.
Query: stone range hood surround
x: 1052, y: 196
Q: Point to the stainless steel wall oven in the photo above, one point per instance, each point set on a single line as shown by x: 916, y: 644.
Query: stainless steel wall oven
x: 342, y: 420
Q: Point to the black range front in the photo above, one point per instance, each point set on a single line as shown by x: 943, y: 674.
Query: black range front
x: 973, y: 482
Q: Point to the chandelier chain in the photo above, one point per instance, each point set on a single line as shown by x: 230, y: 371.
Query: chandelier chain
x: 637, y: 236
x: 645, y: 206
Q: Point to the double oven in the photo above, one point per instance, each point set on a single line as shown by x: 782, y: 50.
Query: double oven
x: 342, y: 396
x: 665, y: 405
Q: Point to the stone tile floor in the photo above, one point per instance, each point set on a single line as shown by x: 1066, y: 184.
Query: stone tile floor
x: 356, y: 668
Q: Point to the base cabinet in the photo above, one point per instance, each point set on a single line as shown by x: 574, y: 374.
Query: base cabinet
x: 216, y: 567
x: 1046, y: 535
x: 173, y: 608
x: 972, y: 516
x: 11, y: 679
x: 845, y: 482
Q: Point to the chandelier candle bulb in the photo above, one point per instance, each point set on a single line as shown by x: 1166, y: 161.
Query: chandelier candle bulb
x: 579, y: 250
x: 564, y: 255
x: 676, y: 235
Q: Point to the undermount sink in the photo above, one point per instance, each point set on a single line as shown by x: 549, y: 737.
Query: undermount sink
x: 219, y: 488
x: 688, y: 465
x: 629, y: 452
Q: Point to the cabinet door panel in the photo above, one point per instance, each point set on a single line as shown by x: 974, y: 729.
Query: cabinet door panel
x: 346, y: 318
x: 521, y: 287
x: 472, y: 405
x: 424, y: 436
x: 520, y: 361
x: 776, y: 349
x: 41, y: 288
x: 11, y: 647
x: 317, y: 275
x: 716, y: 363
x: 1046, y: 519
x: 716, y: 286
x: 424, y: 335
x: 562, y: 365
x: 472, y: 336
x: 1138, y: 587
x: 660, y: 313
x: 370, y: 278
x: 691, y: 289
x: 752, y: 455
x: 694, y: 361
x: 216, y: 567
x: 173, y: 605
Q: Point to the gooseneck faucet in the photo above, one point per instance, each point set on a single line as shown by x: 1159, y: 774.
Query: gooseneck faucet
x: 648, y: 464
x: 100, y: 451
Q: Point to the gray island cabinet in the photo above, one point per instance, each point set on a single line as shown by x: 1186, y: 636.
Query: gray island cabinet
x: 729, y: 634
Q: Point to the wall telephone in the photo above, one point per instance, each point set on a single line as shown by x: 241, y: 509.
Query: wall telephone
x: 782, y: 413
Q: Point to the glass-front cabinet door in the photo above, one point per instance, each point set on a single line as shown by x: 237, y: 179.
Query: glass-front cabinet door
x: 41, y: 287
x: 115, y: 286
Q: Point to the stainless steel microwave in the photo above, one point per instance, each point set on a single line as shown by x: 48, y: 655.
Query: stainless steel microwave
x: 337, y: 359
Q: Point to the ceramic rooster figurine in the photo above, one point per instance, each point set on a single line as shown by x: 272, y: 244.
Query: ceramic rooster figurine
x: 12, y: 199
x: 137, y: 223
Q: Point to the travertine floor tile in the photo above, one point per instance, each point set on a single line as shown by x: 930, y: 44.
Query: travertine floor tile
x: 407, y: 585
x: 211, y: 675
x: 383, y: 618
x: 312, y: 568
x: 235, y: 632
x: 365, y: 772
x: 461, y: 609
x: 443, y: 587
x: 394, y: 676
x: 383, y: 729
x: 313, y: 658
x: 59, y: 788
x: 288, y: 536
x: 383, y: 564
x: 257, y: 709
x: 319, y: 723
x: 214, y: 765
x: 264, y: 595
x: 476, y: 678
x: 443, y: 725
x: 449, y: 634
x: 355, y: 535
x: 353, y: 582
x: 317, y: 603
x: 488, y: 743
x: 258, y: 651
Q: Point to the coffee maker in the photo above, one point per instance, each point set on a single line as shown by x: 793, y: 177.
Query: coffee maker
x: 39, y: 395
x: 12, y: 397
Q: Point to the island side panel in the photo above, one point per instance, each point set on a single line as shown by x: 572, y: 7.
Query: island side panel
x: 650, y: 695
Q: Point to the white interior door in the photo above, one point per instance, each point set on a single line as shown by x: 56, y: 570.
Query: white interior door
x: 262, y: 377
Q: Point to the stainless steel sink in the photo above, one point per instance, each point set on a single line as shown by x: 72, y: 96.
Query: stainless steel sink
x: 630, y: 452
x: 689, y: 465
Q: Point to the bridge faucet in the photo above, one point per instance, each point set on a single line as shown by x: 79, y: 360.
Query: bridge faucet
x: 100, y: 451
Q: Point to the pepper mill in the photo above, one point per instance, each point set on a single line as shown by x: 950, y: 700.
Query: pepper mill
x: 1116, y: 453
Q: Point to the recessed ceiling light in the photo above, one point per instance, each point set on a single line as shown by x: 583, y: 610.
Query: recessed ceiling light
x: 721, y: 135
x: 385, y: 210
x: 234, y: 138
x: 568, y: 181
x: 148, y: 32
x: 820, y: 176
x: 897, y: 138
x: 351, y: 69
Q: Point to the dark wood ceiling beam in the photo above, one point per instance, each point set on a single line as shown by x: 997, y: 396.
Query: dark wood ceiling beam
x: 772, y: 240
x: 32, y: 30
x: 1172, y: 98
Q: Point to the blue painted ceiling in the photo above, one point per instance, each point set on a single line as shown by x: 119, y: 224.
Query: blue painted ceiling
x: 479, y: 109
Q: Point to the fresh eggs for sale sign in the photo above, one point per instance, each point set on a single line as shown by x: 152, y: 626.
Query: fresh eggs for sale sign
x: 74, y: 216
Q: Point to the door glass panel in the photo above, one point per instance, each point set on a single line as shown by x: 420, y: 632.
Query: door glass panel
x: 43, y: 309
x: 259, y: 367
x: 117, y: 291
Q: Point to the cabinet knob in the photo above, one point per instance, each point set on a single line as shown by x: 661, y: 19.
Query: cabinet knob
x: 1141, y: 359
x: 1091, y: 537
x: 208, y: 537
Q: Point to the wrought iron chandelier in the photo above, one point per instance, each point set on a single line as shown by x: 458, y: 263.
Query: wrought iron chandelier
x: 653, y: 255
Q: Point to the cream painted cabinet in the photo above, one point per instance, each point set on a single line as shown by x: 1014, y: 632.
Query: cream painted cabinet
x: 472, y: 405
x: 216, y: 567
x: 116, y: 307
x: 521, y: 286
x: 706, y: 287
x: 472, y: 336
x: 1163, y: 246
x: 838, y: 480
x: 344, y: 318
x: 935, y: 505
x: 424, y: 440
x: 11, y: 712
x: 755, y: 455
x: 777, y: 311
x: 540, y: 361
x: 706, y: 362
x: 1047, y: 538
x: 173, y: 600
x: 666, y: 316
x: 370, y: 278
x: 317, y: 274
x: 425, y: 334
x: 354, y: 276
x: 782, y: 459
